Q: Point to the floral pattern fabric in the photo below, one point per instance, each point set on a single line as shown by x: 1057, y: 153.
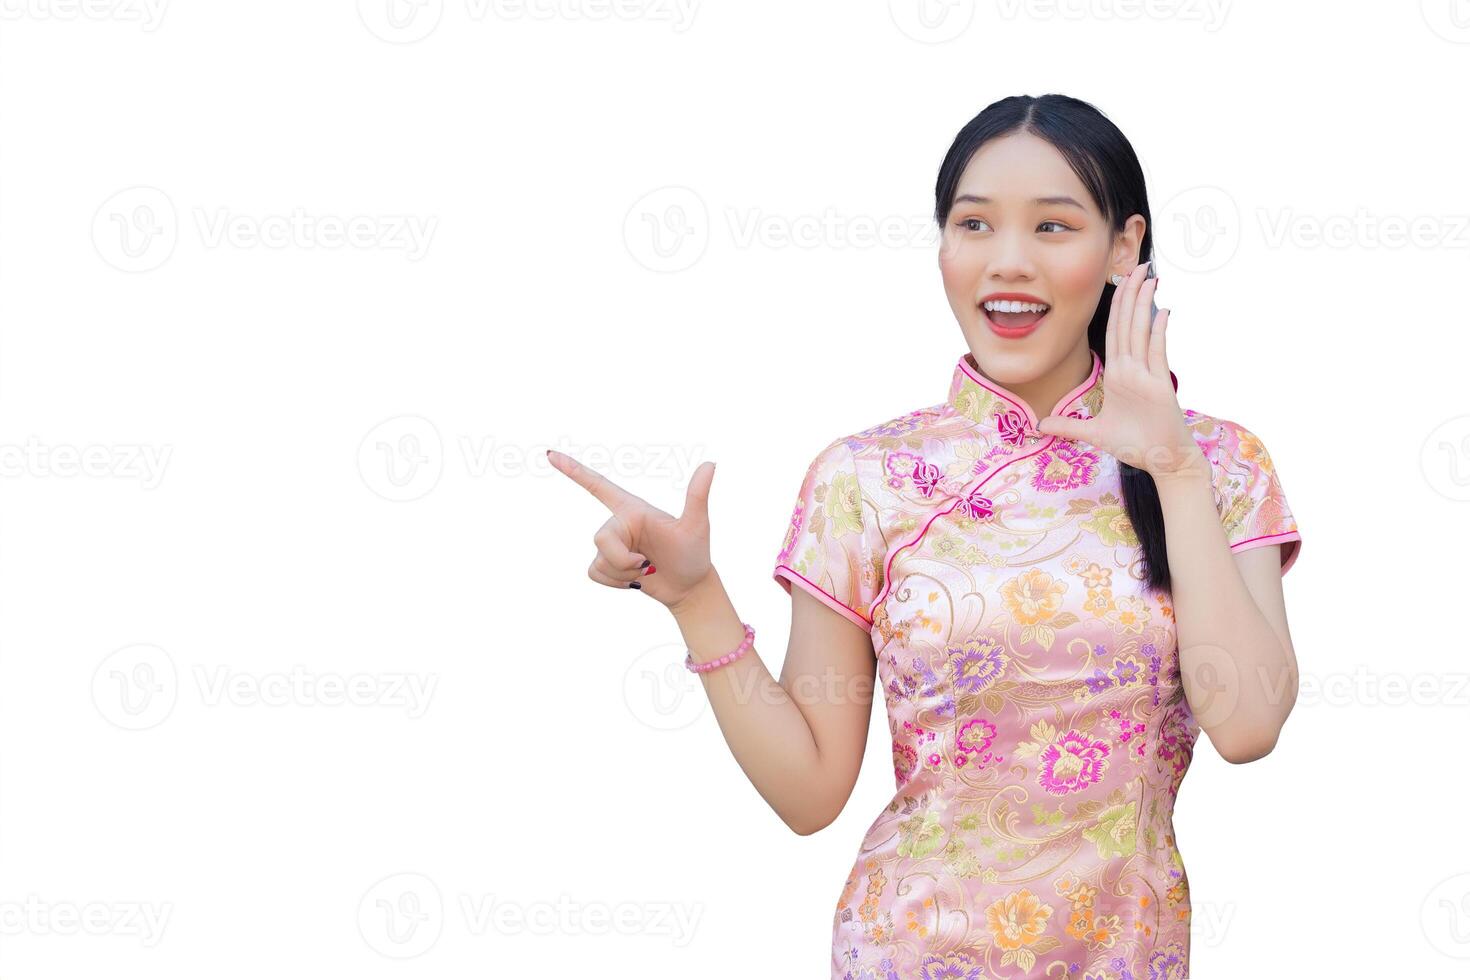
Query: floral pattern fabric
x: 1039, y: 727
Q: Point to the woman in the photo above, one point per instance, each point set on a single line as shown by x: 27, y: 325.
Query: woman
x: 1054, y: 605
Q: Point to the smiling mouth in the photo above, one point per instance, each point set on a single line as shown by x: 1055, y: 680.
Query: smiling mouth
x: 1010, y: 315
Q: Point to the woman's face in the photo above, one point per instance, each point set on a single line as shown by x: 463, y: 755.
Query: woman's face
x: 1023, y: 223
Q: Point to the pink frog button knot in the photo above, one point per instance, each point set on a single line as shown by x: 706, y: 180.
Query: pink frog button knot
x: 1014, y: 428
x: 926, y: 477
x: 976, y: 506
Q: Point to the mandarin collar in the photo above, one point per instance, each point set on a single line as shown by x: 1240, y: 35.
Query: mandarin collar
x: 986, y: 402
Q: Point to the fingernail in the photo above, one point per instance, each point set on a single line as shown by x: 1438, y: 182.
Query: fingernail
x: 635, y: 585
x: 646, y: 563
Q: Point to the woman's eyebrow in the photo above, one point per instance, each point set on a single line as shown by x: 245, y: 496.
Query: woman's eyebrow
x: 1055, y: 199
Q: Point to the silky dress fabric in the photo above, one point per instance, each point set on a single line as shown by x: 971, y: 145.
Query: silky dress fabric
x: 1039, y: 727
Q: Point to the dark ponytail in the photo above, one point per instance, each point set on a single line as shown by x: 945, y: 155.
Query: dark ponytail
x: 1104, y: 160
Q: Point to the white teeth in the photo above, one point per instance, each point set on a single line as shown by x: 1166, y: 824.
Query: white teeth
x: 1014, y: 306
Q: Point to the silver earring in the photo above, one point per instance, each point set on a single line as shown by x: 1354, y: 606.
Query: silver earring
x: 1117, y: 280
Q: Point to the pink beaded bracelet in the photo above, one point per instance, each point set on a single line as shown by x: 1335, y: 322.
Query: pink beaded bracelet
x: 734, y: 654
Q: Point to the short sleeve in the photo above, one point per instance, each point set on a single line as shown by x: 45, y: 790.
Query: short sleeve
x: 1248, y: 494
x: 825, y: 550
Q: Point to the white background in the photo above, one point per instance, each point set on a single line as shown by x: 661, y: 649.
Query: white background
x: 200, y: 402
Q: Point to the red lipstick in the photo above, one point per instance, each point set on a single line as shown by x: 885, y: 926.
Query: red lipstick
x: 1013, y: 332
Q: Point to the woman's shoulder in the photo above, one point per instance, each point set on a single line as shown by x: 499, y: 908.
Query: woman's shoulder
x: 1216, y: 433
x: 1229, y: 445
x: 920, y: 423
x: 1248, y: 490
x: 877, y: 455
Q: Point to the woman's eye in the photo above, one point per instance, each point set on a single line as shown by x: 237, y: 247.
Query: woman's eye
x: 970, y: 224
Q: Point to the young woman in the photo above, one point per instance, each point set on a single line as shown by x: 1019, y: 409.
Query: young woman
x: 1057, y: 576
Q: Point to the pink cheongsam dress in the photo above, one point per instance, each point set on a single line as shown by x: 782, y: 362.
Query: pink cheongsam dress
x: 1039, y: 726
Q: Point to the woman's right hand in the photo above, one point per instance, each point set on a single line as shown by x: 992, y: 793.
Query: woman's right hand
x: 678, y: 547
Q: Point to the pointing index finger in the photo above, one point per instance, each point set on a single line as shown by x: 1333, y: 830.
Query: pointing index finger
x: 612, y: 495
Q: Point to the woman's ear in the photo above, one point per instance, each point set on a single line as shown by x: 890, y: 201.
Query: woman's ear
x: 1127, y: 245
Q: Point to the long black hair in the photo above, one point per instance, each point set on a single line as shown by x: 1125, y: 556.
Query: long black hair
x: 1104, y: 160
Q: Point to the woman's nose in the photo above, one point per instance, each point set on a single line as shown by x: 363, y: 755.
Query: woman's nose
x: 1010, y: 259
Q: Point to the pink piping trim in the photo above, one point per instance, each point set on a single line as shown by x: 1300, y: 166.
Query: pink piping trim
x: 1067, y: 400
x: 1281, y: 538
x: 988, y: 385
x: 888, y: 566
x: 783, y: 573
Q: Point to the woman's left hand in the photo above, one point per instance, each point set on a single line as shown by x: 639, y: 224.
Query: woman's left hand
x: 1140, y: 422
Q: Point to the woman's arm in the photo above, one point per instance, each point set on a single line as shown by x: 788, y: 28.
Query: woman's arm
x: 800, y: 741
x: 1235, y: 654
